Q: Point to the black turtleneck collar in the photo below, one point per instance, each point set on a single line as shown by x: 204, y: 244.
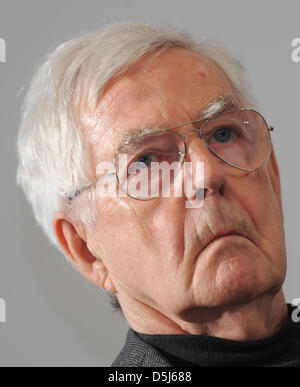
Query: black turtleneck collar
x: 281, y: 349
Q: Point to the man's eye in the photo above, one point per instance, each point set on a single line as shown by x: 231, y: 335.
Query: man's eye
x: 145, y: 160
x: 224, y: 135
x: 142, y: 162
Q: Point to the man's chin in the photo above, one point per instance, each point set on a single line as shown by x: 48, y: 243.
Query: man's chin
x: 232, y: 273
x: 238, y: 280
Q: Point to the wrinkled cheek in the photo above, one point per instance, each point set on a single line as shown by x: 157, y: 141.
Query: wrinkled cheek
x: 123, y: 243
x: 114, y: 230
x: 262, y: 203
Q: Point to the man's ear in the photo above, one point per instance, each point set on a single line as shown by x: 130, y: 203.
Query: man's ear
x: 92, y: 268
x: 275, y: 178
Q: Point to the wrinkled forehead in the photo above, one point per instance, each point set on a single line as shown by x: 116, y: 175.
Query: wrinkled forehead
x: 157, y: 91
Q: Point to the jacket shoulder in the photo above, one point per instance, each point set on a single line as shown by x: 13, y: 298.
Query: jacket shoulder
x: 137, y: 353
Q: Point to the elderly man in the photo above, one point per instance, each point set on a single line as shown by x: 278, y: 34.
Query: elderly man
x: 198, y: 276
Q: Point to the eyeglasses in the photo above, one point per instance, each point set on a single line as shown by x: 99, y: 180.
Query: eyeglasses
x: 241, y: 138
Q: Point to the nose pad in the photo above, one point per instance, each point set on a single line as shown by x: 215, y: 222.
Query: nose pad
x: 204, y: 173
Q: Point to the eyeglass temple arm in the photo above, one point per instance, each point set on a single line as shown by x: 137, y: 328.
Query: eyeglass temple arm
x: 111, y: 173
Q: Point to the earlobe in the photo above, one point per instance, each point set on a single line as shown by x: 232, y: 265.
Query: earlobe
x: 104, y: 279
x: 79, y: 254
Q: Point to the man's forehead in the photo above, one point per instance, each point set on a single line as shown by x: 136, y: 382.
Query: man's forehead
x: 159, y: 63
x: 142, y: 98
x: 173, y: 67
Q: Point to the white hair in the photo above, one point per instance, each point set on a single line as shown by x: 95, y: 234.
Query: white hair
x: 53, y: 160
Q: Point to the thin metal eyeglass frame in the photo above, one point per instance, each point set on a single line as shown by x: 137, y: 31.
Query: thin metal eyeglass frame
x: 182, y: 155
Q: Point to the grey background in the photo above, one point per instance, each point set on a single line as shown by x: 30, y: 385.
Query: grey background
x: 54, y: 317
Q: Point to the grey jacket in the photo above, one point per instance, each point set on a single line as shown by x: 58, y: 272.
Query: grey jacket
x: 137, y: 353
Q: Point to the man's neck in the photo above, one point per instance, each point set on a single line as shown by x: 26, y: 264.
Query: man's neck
x: 255, y: 320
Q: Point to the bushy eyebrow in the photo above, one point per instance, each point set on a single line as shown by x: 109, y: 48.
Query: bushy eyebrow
x: 216, y: 106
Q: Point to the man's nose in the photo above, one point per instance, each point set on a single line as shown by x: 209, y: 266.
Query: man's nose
x: 211, y: 176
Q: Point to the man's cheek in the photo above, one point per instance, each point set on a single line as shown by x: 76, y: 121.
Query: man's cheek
x: 269, y: 192
x: 115, y: 215
x: 262, y: 204
x: 274, y: 186
x: 167, y: 224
